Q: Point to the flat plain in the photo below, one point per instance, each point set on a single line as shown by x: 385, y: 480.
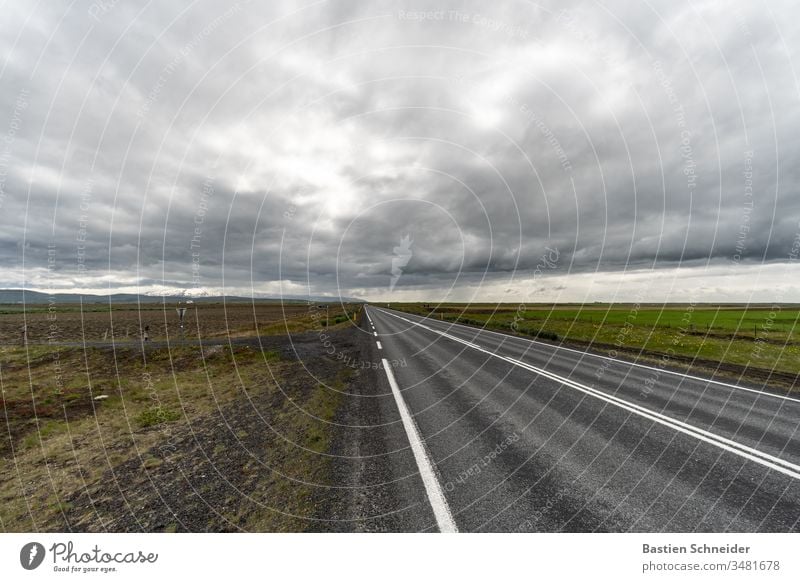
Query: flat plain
x: 101, y: 431
x: 758, y: 341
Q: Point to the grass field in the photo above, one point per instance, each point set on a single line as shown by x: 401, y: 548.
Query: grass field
x: 84, y: 429
x: 127, y: 322
x: 764, y: 337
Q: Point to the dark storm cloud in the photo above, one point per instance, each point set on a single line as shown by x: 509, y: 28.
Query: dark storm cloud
x: 294, y: 147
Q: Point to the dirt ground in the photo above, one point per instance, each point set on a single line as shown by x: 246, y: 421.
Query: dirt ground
x: 256, y: 464
x: 72, y: 322
x: 223, y: 437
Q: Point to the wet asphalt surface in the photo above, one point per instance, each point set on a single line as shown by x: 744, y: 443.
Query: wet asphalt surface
x: 516, y: 450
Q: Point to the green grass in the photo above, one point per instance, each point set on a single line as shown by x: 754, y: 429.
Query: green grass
x: 154, y: 401
x: 156, y: 415
x: 271, y: 356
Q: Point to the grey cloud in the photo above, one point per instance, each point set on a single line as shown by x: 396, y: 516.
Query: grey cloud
x: 619, y: 135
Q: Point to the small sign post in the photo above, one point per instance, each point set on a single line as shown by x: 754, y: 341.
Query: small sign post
x: 181, y: 312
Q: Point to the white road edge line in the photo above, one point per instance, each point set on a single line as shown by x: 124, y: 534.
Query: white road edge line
x: 444, y: 518
x: 624, y: 362
x: 767, y: 460
x: 380, y: 347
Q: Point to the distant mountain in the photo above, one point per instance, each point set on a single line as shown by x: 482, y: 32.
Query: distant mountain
x: 192, y: 293
x: 19, y: 296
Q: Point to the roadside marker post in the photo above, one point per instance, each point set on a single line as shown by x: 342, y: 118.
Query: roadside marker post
x: 181, y: 313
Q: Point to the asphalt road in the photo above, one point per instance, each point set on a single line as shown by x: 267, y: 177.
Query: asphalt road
x: 489, y: 432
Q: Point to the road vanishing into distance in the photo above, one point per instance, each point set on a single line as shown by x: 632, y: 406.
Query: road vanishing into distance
x: 491, y: 432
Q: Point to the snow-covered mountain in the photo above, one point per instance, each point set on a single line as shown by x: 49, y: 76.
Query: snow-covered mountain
x: 163, y: 291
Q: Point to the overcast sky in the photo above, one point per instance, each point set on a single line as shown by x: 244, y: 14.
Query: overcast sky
x: 522, y: 152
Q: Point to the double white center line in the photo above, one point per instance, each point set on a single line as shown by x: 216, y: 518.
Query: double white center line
x: 433, y: 488
x: 764, y: 459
